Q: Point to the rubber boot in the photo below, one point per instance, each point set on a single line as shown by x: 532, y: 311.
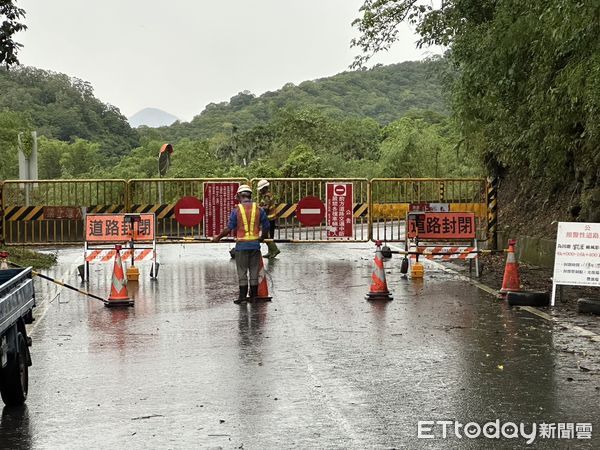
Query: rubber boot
x: 243, y: 295
x: 273, y: 250
x: 253, y: 293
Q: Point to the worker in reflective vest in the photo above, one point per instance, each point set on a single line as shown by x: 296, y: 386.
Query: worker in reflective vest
x: 266, y: 201
x: 251, y: 226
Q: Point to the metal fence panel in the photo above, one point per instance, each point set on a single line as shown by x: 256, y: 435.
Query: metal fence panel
x: 287, y: 192
x: 52, y: 211
x: 391, y: 200
x: 159, y: 196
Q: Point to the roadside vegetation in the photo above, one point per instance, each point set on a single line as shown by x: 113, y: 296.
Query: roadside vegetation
x: 389, y: 121
x: 26, y: 257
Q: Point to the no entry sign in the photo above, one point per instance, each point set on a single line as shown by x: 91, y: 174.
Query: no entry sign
x: 310, y: 211
x: 219, y: 200
x: 189, y: 211
x: 339, y: 210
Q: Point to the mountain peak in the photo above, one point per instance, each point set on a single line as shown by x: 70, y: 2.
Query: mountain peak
x: 152, y: 117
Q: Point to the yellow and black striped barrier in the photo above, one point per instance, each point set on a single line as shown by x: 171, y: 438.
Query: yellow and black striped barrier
x: 492, y: 207
x: 25, y: 213
x: 161, y: 211
x: 286, y: 210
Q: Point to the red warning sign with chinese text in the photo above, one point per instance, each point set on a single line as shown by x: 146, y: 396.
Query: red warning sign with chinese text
x: 114, y: 228
x: 219, y: 200
x: 441, y: 226
x: 339, y: 210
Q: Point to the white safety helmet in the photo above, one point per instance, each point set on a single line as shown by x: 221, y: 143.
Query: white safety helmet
x: 263, y: 184
x: 244, y: 188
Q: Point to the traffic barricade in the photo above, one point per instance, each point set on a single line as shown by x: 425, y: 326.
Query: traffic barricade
x: 53, y: 211
x: 393, y: 198
x: 185, y: 207
x: 320, y: 209
x: 135, y: 232
x: 442, y: 236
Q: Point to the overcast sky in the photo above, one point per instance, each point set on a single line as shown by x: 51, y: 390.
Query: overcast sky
x: 180, y: 55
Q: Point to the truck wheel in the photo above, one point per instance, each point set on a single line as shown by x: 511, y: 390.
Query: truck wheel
x: 14, y: 380
x: 588, y: 306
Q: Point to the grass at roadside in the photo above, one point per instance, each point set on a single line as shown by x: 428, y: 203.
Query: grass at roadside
x: 26, y: 257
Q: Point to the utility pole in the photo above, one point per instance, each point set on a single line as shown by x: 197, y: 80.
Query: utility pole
x: 28, y: 162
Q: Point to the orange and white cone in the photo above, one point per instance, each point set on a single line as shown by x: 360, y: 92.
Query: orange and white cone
x: 511, y: 281
x: 118, y: 290
x: 379, y: 289
x: 263, y: 286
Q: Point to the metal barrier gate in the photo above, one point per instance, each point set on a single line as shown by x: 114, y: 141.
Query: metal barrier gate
x: 393, y: 198
x: 159, y: 196
x: 287, y: 192
x: 52, y: 211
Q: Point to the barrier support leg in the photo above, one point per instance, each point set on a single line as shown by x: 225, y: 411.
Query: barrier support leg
x: 477, y: 274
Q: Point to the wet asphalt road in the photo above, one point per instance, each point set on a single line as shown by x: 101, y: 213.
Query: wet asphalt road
x: 319, y: 367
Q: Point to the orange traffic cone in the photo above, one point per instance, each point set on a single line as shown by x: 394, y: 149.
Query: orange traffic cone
x: 263, y: 287
x: 511, y: 281
x: 379, y: 289
x: 118, y: 290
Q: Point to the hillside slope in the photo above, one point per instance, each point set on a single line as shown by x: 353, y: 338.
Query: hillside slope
x: 65, y: 108
x: 384, y: 93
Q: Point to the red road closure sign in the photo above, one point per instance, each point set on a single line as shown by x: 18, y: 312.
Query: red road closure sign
x: 219, y: 200
x: 310, y: 211
x: 189, y: 211
x: 114, y: 228
x: 339, y: 210
x: 439, y: 225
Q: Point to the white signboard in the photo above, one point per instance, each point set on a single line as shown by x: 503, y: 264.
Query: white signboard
x: 577, y: 256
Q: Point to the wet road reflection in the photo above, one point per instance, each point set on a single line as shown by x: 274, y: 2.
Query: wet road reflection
x: 318, y: 367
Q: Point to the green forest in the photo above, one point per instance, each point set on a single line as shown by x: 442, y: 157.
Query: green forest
x: 524, y: 87
x: 389, y: 121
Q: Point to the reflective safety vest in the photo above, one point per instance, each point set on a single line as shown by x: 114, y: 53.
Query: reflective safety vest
x: 248, y: 219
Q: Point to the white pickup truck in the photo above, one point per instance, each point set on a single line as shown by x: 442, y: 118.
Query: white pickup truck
x: 17, y: 300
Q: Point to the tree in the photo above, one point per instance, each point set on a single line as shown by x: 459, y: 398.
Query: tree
x: 525, y: 86
x: 303, y: 162
x: 65, y: 108
x: 11, y: 17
